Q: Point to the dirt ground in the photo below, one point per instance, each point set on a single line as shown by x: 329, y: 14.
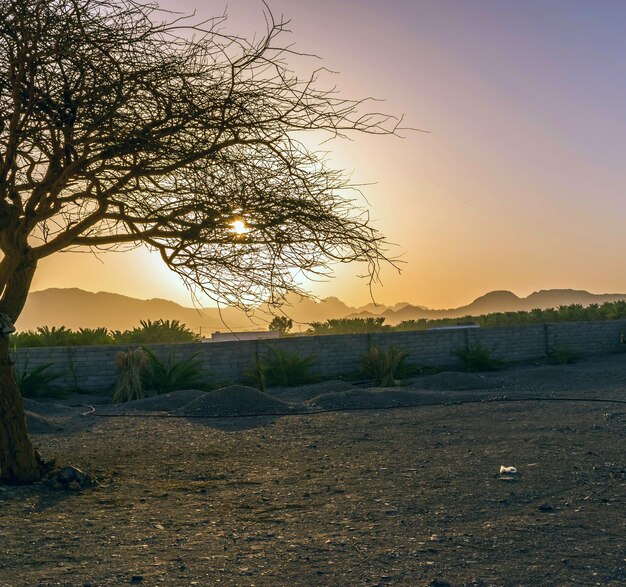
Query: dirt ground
x: 407, y: 496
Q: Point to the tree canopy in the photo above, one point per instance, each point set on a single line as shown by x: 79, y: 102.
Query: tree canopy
x: 119, y: 130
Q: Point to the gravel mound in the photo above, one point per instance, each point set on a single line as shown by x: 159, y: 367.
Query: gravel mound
x: 165, y: 402
x: 303, y: 393
x: 455, y: 381
x: 389, y: 398
x: 233, y: 400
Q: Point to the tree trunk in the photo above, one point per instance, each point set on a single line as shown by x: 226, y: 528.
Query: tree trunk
x: 18, y: 464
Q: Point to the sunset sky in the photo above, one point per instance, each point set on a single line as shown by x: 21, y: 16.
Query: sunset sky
x: 519, y: 184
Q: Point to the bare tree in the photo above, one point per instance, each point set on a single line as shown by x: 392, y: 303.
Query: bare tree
x: 123, y: 127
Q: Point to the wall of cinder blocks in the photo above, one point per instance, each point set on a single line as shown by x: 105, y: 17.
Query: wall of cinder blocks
x: 94, y: 368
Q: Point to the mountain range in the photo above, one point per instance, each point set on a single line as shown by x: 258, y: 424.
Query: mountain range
x: 75, y: 308
x: 498, y: 301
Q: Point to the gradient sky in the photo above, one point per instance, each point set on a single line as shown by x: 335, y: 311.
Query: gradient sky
x: 520, y: 183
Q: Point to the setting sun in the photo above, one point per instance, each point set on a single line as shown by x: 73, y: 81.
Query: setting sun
x: 239, y: 227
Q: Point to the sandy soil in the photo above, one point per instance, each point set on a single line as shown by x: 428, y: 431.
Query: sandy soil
x: 407, y: 496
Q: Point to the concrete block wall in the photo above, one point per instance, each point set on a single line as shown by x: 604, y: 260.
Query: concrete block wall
x: 222, y: 361
x: 334, y: 355
x: 428, y: 348
x: 513, y: 343
x: 94, y: 368
x: 589, y: 337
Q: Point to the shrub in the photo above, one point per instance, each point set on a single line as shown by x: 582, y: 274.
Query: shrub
x: 37, y: 383
x: 384, y: 366
x: 285, y: 368
x: 54, y: 336
x: 91, y: 336
x: 156, y: 331
x: 349, y: 326
x: 28, y: 338
x: 149, y: 332
x: 131, y: 365
x: 478, y: 358
x: 564, y: 355
x: 172, y: 375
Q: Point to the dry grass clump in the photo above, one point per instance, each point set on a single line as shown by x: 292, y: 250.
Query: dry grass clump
x: 384, y: 366
x: 131, y: 365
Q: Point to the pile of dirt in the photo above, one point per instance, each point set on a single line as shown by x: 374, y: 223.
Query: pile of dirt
x: 387, y: 397
x: 233, y: 400
x: 456, y: 381
x: 165, y: 402
x: 303, y: 393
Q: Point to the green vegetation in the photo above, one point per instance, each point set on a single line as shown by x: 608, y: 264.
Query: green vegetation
x: 173, y: 375
x: 143, y: 374
x: 384, y: 366
x: 348, y: 326
x: 165, y: 331
x: 571, y: 313
x: 477, y: 357
x: 37, y: 383
x: 157, y: 331
x: 285, y: 368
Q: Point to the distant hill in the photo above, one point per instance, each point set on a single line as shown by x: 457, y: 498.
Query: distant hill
x: 504, y: 301
x: 75, y: 308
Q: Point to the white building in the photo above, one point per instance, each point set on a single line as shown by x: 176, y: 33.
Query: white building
x: 238, y: 336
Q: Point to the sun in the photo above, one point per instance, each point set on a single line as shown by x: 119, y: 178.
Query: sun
x: 239, y: 227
